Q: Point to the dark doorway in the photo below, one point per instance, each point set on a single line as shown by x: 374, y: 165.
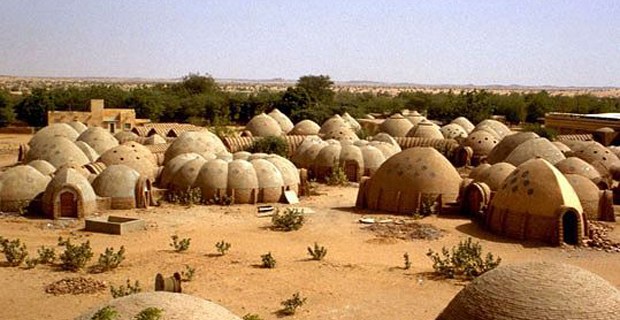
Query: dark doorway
x: 570, y: 225
x: 68, y: 205
x: 351, y: 168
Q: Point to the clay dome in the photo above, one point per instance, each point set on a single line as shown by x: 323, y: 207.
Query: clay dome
x: 478, y: 170
x: 118, y: 182
x: 494, y: 175
x: 19, y: 185
x: 185, y: 177
x: 535, y: 148
x: 425, y: 129
x: 453, y: 131
x: 263, y: 125
x: 133, y: 155
x: 562, y: 147
x: 384, y: 137
x: 88, y: 151
x: 481, y: 142
x: 501, y: 151
x: 69, y: 181
x: 99, y: 139
x: 597, y: 155
x: 305, y: 128
x: 57, y: 151
x: 175, y: 306
x: 464, y: 123
x: 396, y: 126
x: 42, y: 166
x: 341, y: 134
x: 588, y: 193
x: 334, y: 123
x: 171, y: 168
x: 195, y: 141
x: 54, y: 130
x: 308, y: 150
x: 535, y: 291
x: 501, y: 129
x: 79, y: 127
x: 405, y: 177
x: 290, y: 173
x: 353, y: 124
x: 154, y: 139
x: 415, y: 117
x: 124, y: 136
x: 285, y: 123
x: 533, y: 202
x: 574, y: 165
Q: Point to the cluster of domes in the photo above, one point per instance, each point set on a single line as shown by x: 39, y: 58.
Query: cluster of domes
x: 338, y: 128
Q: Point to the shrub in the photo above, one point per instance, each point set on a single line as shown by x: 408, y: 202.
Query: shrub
x: 125, y: 290
x: 269, y: 262
x: 31, y: 263
x: 318, y: 253
x: 150, y: 313
x: 463, y: 261
x: 14, y: 251
x: 291, y: 305
x: 46, y: 255
x: 75, y: 257
x: 252, y: 316
x: 187, y: 197
x: 105, y: 313
x: 271, y: 144
x: 222, y: 247
x: 337, y: 177
x: 407, y: 261
x: 427, y: 206
x: 110, y: 260
x: 291, y: 219
x: 224, y: 200
x: 223, y: 131
x: 180, y: 245
x: 188, y: 274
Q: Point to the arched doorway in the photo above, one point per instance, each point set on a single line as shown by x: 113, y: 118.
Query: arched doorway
x: 570, y: 227
x: 68, y: 205
x: 351, y: 169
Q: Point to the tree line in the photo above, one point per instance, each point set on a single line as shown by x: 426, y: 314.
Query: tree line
x: 198, y: 99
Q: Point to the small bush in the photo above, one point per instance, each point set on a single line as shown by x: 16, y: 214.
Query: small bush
x: 75, y: 257
x: 188, y: 197
x: 291, y: 305
x: 269, y: 262
x: 222, y: 247
x: 291, y: 219
x: 14, y: 251
x: 188, y: 274
x: 224, y: 200
x: 31, y: 263
x: 150, y: 313
x: 337, y: 177
x: 318, y: 253
x: 105, y: 313
x: 223, y: 131
x: 110, y: 260
x: 122, y: 291
x: 407, y: 261
x: 46, y: 255
x: 271, y: 144
x: 180, y: 245
x: 252, y: 316
x: 428, y: 204
x: 463, y: 261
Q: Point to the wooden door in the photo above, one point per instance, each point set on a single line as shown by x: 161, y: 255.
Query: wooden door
x: 68, y: 205
x: 351, y: 169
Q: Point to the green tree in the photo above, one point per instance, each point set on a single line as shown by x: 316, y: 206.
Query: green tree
x: 33, y: 109
x: 7, y: 115
x: 311, y: 98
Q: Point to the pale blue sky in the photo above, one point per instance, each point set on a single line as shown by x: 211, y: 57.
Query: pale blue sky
x: 433, y: 42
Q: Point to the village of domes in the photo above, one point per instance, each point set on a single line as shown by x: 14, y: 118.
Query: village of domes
x: 382, y: 194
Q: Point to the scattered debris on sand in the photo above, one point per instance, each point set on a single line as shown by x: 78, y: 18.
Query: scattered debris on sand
x: 598, y: 237
x: 77, y: 285
x: 404, y: 230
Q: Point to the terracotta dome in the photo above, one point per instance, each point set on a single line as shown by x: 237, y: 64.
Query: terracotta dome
x: 305, y: 128
x: 501, y: 129
x: 285, y: 123
x: 501, y: 151
x: 99, y: 139
x: 154, y: 139
x: 195, y: 141
x: 405, y: 177
x: 175, y: 306
x: 124, y: 136
x: 535, y: 148
x: 308, y: 150
x: 535, y: 291
x: 478, y: 170
x: 42, y: 166
x: 481, y: 142
x: 589, y: 194
x: 171, y: 168
x: 353, y: 124
x: 425, y: 129
x: 396, y: 126
x: 453, y: 131
x: 57, y: 151
x: 334, y: 123
x: 574, y: 165
x: 88, y: 151
x: 69, y: 194
x: 78, y: 126
x: 54, y: 130
x: 562, y: 147
x: 495, y: 175
x: 464, y: 123
x: 19, y: 186
x: 598, y: 156
x: 122, y: 185
x: 537, y: 202
x: 341, y: 134
x: 133, y: 155
x: 415, y: 117
x: 263, y: 125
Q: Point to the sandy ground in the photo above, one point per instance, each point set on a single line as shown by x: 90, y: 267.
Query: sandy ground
x: 361, y: 277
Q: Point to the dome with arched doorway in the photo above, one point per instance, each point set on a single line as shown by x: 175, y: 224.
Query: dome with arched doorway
x: 69, y: 195
x: 124, y: 186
